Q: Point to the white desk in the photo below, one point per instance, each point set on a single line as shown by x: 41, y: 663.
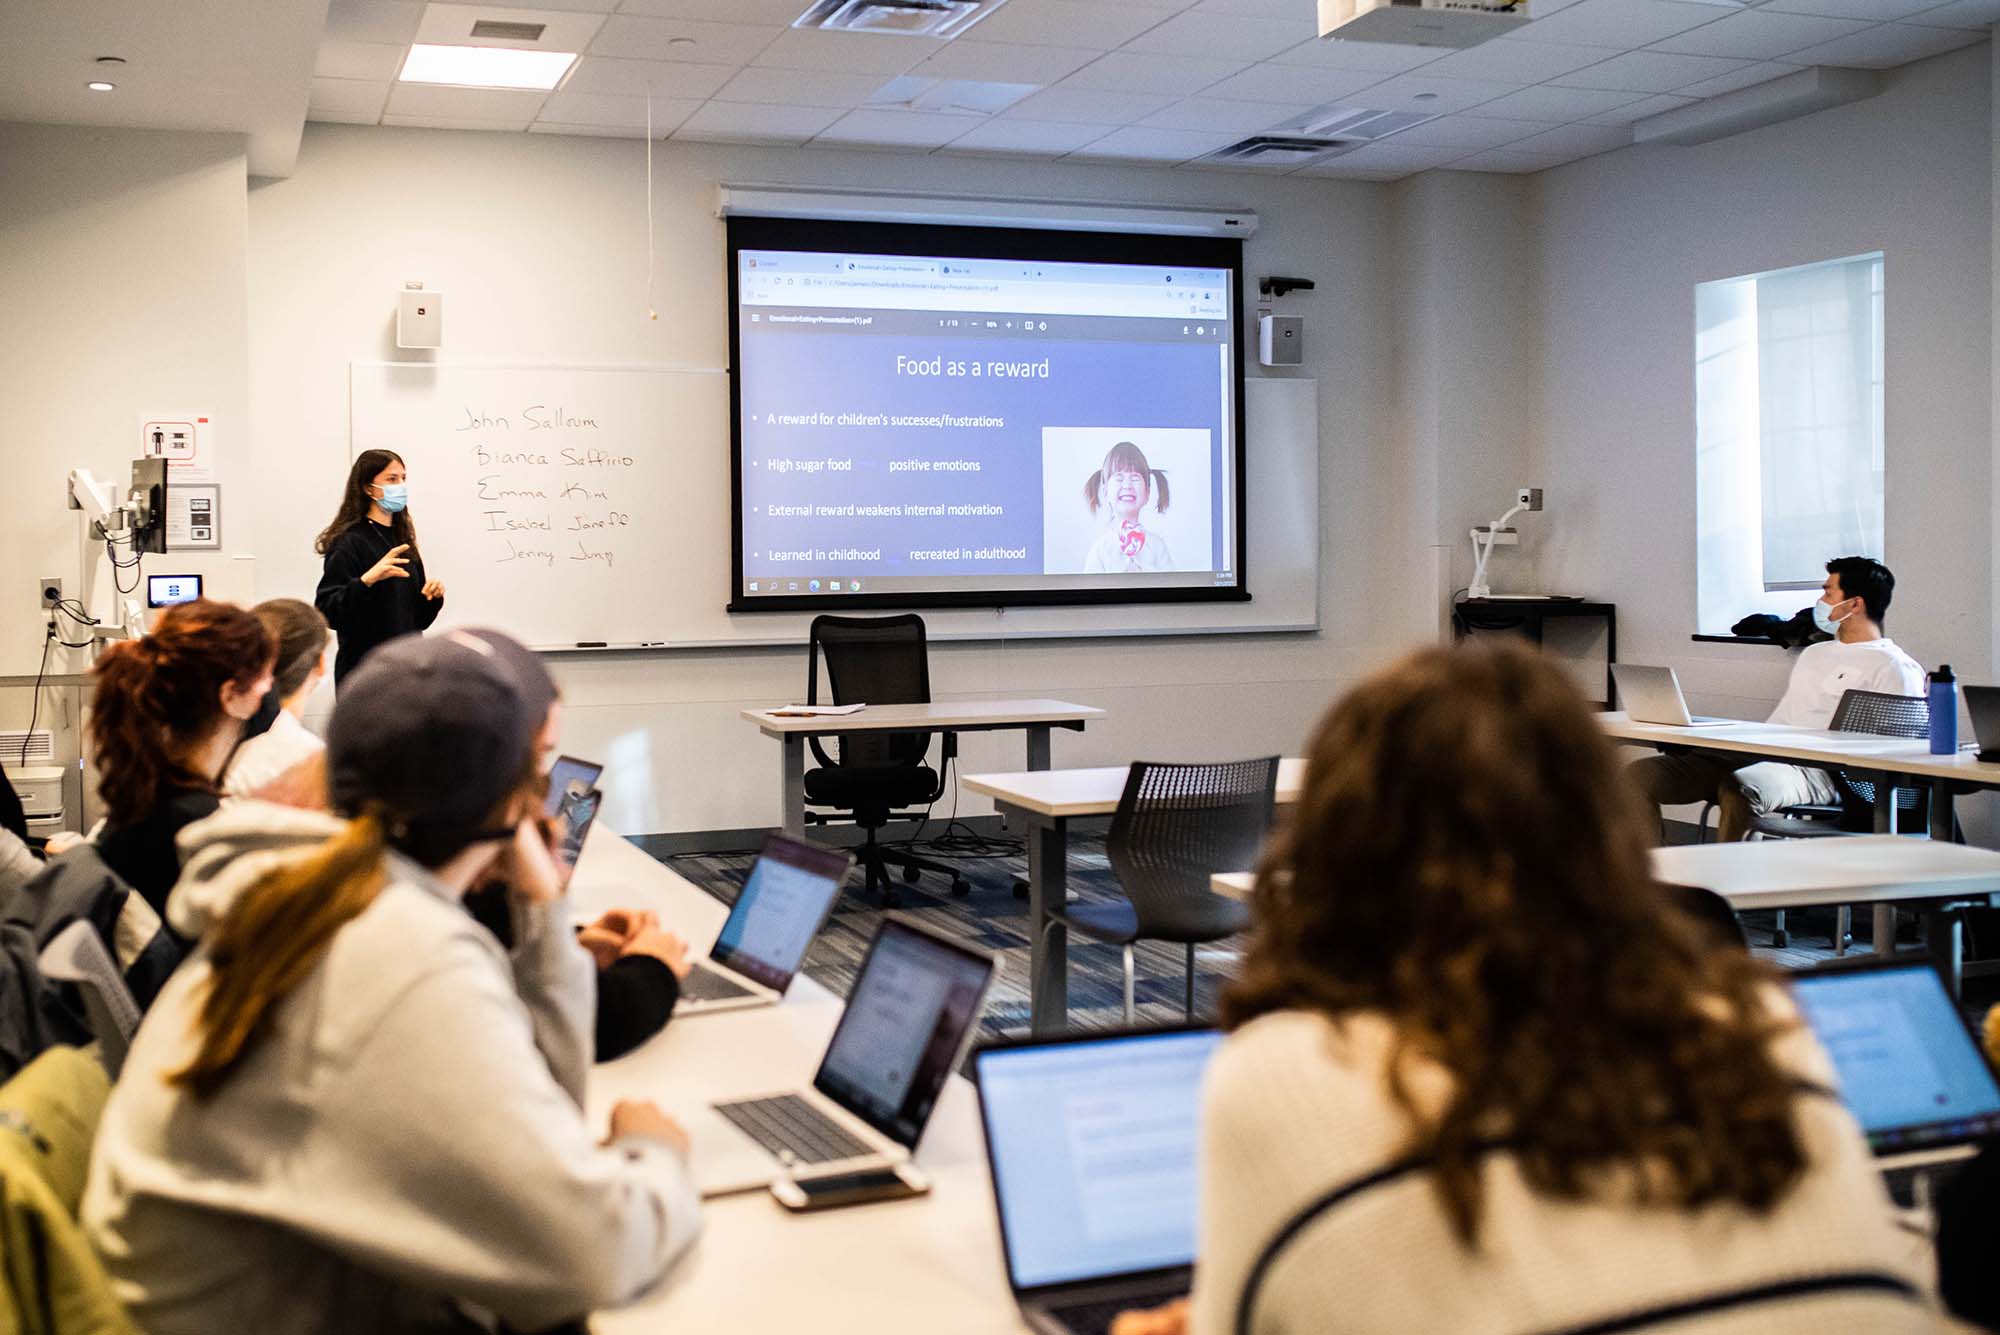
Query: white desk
x: 1041, y: 804
x: 1035, y: 717
x: 929, y: 1264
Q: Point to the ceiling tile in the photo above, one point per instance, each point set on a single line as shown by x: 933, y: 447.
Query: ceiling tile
x: 1262, y: 9
x: 1145, y: 144
x: 1960, y: 14
x: 1043, y: 139
x: 1306, y: 85
x: 587, y: 131
x: 1004, y: 62
x: 1092, y: 23
x: 1651, y: 72
x: 1501, y: 160
x: 1514, y: 62
x: 636, y: 78
x: 894, y: 129
x: 742, y: 122
x: 569, y: 108
x: 1222, y: 116
x: 1885, y: 47
x: 777, y: 13
x: 1624, y: 24
x: 1761, y: 34
x: 1088, y: 106
x: 564, y: 27
x: 1729, y: 83
x: 455, y: 123
x: 1141, y: 72
x: 636, y: 38
x: 391, y: 21
x: 1638, y: 111
x: 1877, y: 11
x: 1230, y: 36
x: 1393, y: 156
x: 1549, y: 103
x: 1435, y: 97
x: 1388, y: 57
x: 1575, y: 140
x: 800, y: 88
x: 1334, y: 169
x: 352, y: 101
x: 479, y: 104
x: 1467, y: 133
x: 845, y: 52
x: 359, y: 60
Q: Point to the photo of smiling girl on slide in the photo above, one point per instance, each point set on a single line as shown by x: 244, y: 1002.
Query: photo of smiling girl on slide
x: 1126, y: 485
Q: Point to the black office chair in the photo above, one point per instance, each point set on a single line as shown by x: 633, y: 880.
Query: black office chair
x: 1711, y: 911
x: 1177, y: 826
x: 878, y: 777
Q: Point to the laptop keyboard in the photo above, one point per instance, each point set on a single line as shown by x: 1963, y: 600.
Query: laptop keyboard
x: 787, y: 1124
x: 1905, y: 1189
x: 708, y: 985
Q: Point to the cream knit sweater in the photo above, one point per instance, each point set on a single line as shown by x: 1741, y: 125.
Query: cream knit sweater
x: 1296, y: 1108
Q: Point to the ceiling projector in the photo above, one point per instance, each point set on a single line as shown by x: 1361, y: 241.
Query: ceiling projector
x: 1420, y: 22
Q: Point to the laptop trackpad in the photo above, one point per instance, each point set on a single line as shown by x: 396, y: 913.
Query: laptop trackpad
x: 725, y: 1161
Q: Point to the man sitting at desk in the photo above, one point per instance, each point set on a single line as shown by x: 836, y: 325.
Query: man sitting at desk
x: 1859, y: 657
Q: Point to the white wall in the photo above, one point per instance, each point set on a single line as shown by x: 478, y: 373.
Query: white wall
x: 539, y: 246
x: 1623, y: 239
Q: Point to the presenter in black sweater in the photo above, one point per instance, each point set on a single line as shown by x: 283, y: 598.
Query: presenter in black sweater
x: 373, y: 588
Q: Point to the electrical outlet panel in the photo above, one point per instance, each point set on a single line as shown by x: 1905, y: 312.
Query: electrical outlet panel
x: 48, y: 591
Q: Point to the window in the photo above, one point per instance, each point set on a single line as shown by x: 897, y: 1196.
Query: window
x: 1788, y: 434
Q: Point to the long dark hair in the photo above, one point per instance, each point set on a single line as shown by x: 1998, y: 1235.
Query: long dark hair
x: 354, y: 502
x: 300, y: 632
x: 1467, y: 860
x: 159, y: 696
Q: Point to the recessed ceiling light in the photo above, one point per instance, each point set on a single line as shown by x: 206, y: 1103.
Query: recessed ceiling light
x: 485, y: 66
x: 99, y: 86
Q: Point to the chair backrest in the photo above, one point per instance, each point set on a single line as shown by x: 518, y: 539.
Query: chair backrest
x: 874, y: 661
x: 1880, y: 714
x: 1178, y: 825
x: 77, y: 955
x: 1710, y: 910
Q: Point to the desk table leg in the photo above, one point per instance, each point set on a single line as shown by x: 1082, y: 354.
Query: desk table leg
x: 1038, y: 746
x: 1048, y: 955
x: 1941, y: 810
x: 1944, y: 936
x: 1885, y: 823
x: 794, y: 795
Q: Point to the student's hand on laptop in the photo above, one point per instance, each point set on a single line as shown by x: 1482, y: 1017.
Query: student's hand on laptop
x: 1169, y: 1320
x: 607, y: 938
x: 641, y: 1117
x: 665, y: 947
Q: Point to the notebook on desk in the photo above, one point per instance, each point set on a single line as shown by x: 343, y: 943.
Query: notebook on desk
x: 1093, y: 1145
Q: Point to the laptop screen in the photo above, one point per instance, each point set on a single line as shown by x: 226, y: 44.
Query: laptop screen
x: 573, y: 817
x: 1094, y: 1144
x: 1909, y: 1070
x: 569, y: 778
x: 913, y: 1004
x: 788, y: 895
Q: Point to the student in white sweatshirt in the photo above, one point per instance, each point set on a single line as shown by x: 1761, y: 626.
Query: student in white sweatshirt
x: 279, y: 752
x: 351, y: 1110
x: 1484, y: 1077
x: 1854, y: 603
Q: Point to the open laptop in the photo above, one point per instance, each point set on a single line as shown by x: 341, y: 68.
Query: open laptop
x: 782, y: 906
x: 1982, y: 704
x: 1910, y: 1069
x: 570, y: 778
x: 573, y: 817
x: 1093, y: 1144
x: 906, y: 1025
x: 1653, y: 695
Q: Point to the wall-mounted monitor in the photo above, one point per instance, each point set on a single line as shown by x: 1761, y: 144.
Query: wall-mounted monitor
x: 961, y: 416
x: 166, y: 590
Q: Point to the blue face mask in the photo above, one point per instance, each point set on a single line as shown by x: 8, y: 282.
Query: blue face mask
x: 394, y: 497
x: 1823, y: 618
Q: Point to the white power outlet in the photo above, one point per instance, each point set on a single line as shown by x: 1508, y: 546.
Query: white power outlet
x: 49, y: 590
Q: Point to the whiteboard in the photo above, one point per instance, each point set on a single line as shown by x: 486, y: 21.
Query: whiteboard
x: 580, y: 507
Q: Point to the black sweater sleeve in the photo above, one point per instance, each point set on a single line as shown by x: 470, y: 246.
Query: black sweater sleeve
x: 427, y: 609
x: 341, y: 593
x: 635, y: 997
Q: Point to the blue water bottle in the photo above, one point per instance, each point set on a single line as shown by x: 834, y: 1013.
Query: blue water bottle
x: 1944, y: 712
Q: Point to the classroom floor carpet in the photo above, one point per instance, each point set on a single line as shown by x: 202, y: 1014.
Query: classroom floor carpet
x: 991, y: 919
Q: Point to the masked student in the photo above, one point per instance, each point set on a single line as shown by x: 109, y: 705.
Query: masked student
x: 372, y: 585
x: 352, y: 1109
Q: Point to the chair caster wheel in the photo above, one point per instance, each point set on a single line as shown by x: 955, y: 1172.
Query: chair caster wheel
x: 910, y: 875
x: 1020, y: 888
x: 1780, y: 940
x: 960, y: 888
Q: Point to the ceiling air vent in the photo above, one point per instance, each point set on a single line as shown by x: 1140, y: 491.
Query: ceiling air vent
x: 1356, y: 124
x: 1269, y: 150
x: 915, y: 18
x: 502, y: 31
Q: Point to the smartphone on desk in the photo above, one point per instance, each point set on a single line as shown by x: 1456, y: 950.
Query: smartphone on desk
x: 803, y: 1192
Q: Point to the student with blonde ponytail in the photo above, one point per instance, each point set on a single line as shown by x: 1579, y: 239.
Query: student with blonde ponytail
x: 352, y: 1109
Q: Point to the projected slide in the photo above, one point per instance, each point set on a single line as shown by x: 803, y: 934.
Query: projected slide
x: 970, y: 428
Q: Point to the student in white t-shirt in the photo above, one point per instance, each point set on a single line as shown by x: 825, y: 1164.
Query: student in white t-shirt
x: 1860, y: 657
x: 281, y: 752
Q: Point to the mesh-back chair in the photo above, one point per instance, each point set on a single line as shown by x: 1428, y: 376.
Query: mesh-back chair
x: 874, y: 776
x: 1176, y: 826
x: 77, y: 956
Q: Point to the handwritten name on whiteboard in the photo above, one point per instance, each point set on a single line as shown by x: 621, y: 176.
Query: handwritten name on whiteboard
x: 555, y: 498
